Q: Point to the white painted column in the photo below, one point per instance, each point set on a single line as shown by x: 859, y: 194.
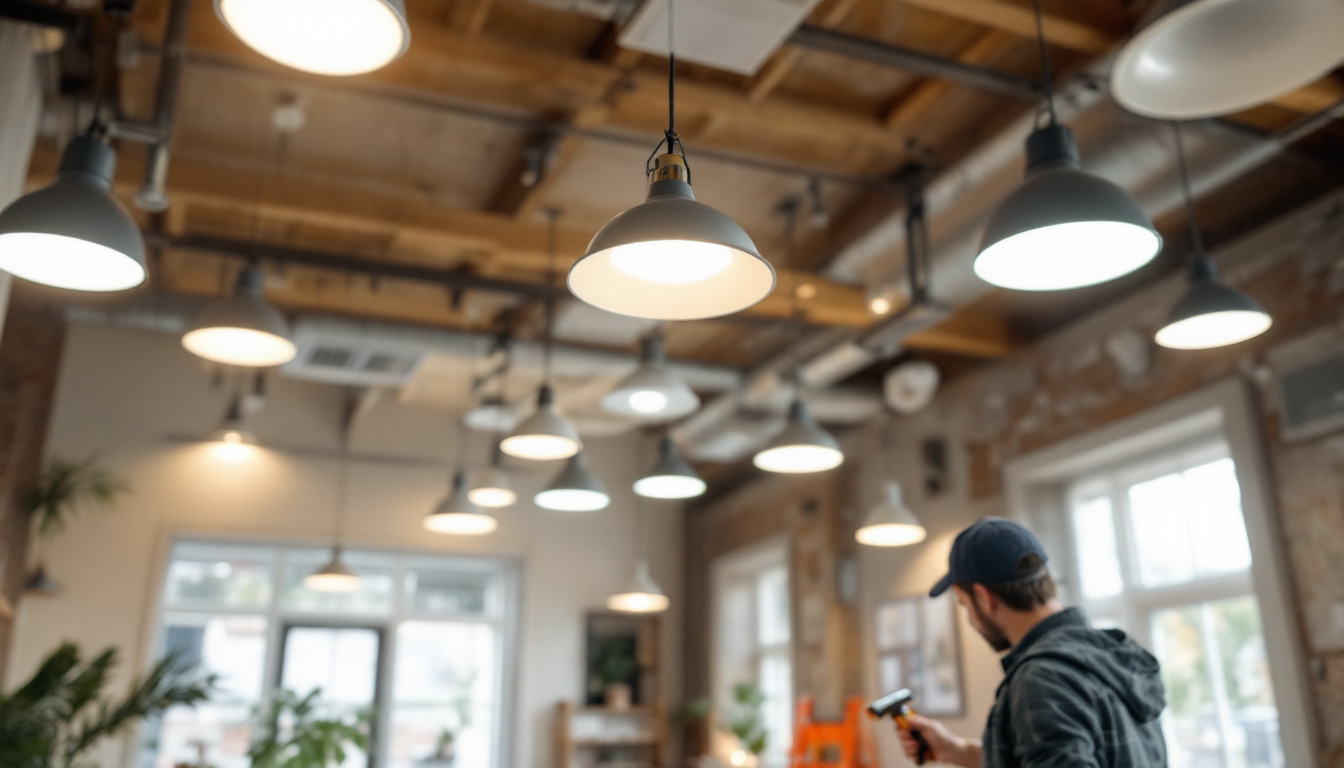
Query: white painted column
x: 20, y: 108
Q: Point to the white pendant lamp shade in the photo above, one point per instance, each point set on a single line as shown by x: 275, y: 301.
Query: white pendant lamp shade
x: 72, y: 234
x: 671, y: 257
x: 243, y: 329
x: 1206, y: 58
x: 640, y: 595
x: 492, y: 489
x: 545, y: 435
x: 457, y: 515
x: 335, y: 576
x: 575, y: 489
x: 1063, y: 228
x: 652, y: 391
x: 325, y: 37
x: 1212, y: 314
x: 890, y: 523
x: 492, y: 415
x: 802, y: 447
x: 671, y: 477
x: 233, y: 429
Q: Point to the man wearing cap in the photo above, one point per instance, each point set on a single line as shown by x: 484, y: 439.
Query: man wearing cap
x: 1072, y: 696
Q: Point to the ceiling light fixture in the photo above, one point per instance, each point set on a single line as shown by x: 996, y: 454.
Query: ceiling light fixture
x: 545, y: 435
x: 1063, y: 228
x: 575, y: 489
x: 458, y: 515
x: 1211, y: 313
x: 671, y: 257
x: 890, y: 523
x: 335, y: 575
x: 641, y: 593
x: 492, y: 488
x: 802, y: 446
x: 72, y: 234
x: 1207, y: 58
x: 652, y: 391
x: 325, y: 37
x: 671, y: 477
x: 244, y: 329
x: 233, y: 429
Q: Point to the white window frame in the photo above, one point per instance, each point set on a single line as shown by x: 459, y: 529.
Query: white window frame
x: 1226, y: 410
x: 503, y: 616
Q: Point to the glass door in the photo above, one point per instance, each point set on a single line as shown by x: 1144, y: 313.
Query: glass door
x: 343, y: 662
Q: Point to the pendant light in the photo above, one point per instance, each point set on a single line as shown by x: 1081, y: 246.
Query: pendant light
x: 671, y: 257
x: 243, y: 329
x: 458, y: 515
x: 232, y: 429
x: 492, y: 488
x: 330, y: 37
x: 72, y: 234
x: 641, y: 594
x: 801, y: 448
x: 1207, y: 58
x: 492, y: 414
x: 671, y: 477
x: 1211, y: 313
x: 1063, y: 228
x: 545, y: 435
x: 652, y: 391
x: 335, y: 575
x: 890, y: 523
x: 575, y: 489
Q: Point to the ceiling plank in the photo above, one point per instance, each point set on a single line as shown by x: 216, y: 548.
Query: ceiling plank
x: 783, y: 62
x: 469, y: 16
x: 932, y: 90
x: 1086, y: 26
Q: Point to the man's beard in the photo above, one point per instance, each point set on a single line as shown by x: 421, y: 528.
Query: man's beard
x: 993, y: 633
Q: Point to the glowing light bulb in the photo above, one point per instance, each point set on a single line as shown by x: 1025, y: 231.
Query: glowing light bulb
x: 879, y: 305
x: 1214, y: 329
x: 890, y: 535
x: 672, y: 261
x: 648, y: 401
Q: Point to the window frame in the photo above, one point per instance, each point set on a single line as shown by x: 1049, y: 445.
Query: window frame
x: 1227, y: 409
x: 503, y: 613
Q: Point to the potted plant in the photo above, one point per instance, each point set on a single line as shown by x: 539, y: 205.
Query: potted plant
x: 291, y: 734
x: 65, y: 489
x: 747, y: 723
x: 60, y: 714
x: 615, y: 666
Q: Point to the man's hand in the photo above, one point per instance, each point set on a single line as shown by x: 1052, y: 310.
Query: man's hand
x: 946, y: 746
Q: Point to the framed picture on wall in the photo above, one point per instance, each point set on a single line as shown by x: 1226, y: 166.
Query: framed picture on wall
x: 917, y: 648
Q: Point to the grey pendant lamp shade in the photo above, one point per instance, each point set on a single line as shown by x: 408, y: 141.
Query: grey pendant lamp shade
x: 491, y: 488
x: 492, y: 415
x: 1211, y: 314
x: 457, y: 515
x: 1206, y: 58
x: 335, y: 576
x: 1063, y: 228
x: 333, y: 37
x: 641, y: 593
x: 545, y: 435
x: 575, y: 489
x: 244, y: 329
x: 671, y: 477
x: 72, y: 233
x: 801, y: 448
x: 890, y: 523
x: 652, y: 391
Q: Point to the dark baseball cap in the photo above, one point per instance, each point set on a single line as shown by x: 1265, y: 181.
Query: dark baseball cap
x: 988, y: 552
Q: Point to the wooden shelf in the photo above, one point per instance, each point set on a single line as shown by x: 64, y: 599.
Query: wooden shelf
x: 648, y: 734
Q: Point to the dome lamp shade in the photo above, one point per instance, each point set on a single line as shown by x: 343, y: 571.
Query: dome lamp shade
x: 244, y: 329
x: 545, y: 435
x: 324, y: 37
x: 671, y: 477
x: 335, y: 576
x: 492, y: 488
x: 671, y: 257
x: 457, y: 515
x: 492, y: 415
x: 641, y: 593
x: 890, y: 523
x: 1207, y: 58
x: 1063, y: 228
x: 652, y: 391
x: 575, y: 489
x: 802, y: 446
x: 72, y: 234
x: 1211, y: 313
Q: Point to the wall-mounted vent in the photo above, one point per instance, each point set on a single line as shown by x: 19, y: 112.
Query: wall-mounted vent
x: 1313, y: 398
x: 732, y: 35
x: 352, y: 359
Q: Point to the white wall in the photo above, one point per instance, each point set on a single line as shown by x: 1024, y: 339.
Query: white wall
x: 136, y: 400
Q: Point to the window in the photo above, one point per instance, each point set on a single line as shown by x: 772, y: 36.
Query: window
x: 423, y: 641
x: 1161, y: 551
x: 754, y: 639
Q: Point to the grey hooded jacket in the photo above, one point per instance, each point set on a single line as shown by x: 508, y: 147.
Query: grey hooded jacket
x: 1077, y: 697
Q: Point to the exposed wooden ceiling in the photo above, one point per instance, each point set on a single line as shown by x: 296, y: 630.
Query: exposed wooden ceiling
x: 423, y: 163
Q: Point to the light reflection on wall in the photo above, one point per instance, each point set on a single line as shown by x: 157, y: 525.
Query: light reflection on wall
x: 233, y: 452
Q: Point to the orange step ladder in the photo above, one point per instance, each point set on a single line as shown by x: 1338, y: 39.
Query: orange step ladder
x: 830, y: 745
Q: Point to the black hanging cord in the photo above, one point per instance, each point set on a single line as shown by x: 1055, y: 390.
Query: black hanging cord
x: 916, y: 237
x: 342, y: 467
x: 670, y: 138
x: 1196, y: 239
x: 554, y: 215
x: 1047, y: 77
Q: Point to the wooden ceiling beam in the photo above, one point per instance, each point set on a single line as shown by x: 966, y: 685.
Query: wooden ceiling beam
x: 932, y: 90
x: 469, y: 16
x: 774, y: 72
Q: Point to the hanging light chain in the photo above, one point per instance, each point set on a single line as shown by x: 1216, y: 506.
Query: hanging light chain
x: 1196, y: 239
x: 1047, y: 76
